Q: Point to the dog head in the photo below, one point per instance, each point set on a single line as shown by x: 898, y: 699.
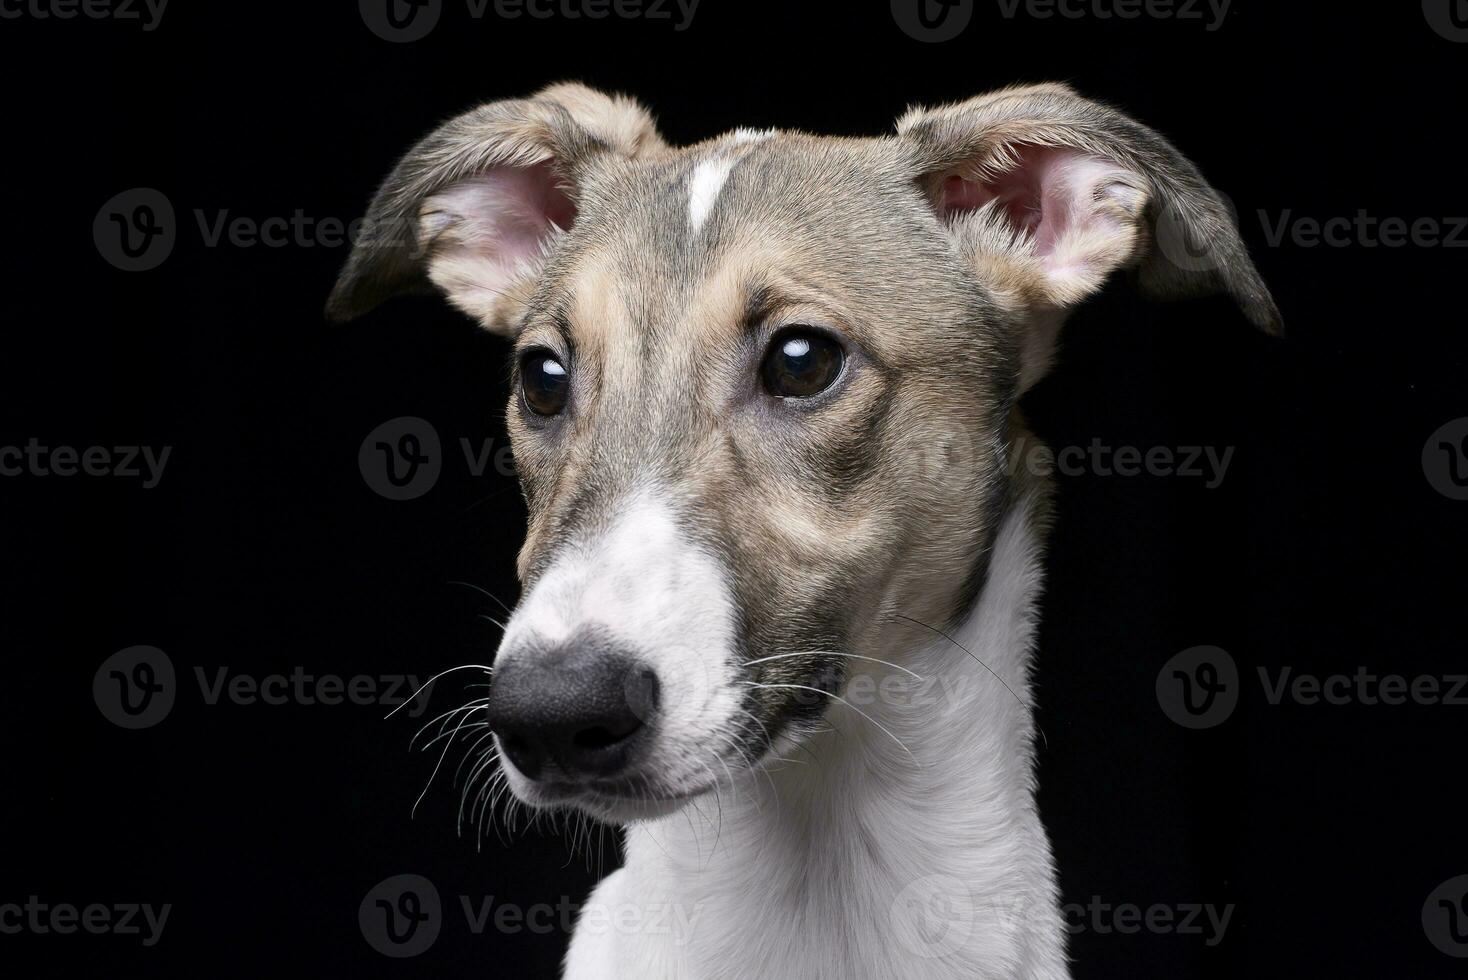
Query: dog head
x: 763, y: 390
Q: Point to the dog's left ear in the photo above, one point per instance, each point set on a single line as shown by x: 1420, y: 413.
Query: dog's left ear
x: 1048, y: 193
x: 476, y: 206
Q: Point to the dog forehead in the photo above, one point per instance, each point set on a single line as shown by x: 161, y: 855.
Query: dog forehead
x: 689, y: 203
x: 659, y: 244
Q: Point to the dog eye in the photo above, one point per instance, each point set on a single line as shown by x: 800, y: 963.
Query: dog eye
x: 801, y: 362
x: 544, y: 383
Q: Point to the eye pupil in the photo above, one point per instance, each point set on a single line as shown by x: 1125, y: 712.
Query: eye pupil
x: 544, y: 383
x: 801, y: 362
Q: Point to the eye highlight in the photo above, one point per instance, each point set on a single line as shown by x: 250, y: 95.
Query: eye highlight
x: 801, y: 362
x: 545, y: 384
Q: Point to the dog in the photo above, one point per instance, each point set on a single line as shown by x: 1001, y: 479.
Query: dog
x: 780, y: 576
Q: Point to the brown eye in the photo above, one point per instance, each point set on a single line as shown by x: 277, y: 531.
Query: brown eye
x: 801, y: 362
x: 544, y: 383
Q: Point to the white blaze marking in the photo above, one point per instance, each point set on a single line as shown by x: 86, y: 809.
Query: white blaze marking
x: 660, y: 597
x: 745, y: 135
x: 704, y: 187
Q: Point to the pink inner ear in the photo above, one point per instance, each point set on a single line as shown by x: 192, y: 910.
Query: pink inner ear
x: 1046, y: 194
x: 491, y: 227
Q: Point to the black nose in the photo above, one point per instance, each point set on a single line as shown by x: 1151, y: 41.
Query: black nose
x: 580, y: 710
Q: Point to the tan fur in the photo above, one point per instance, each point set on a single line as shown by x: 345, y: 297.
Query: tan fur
x: 886, y: 495
x: 811, y: 533
x: 616, y: 120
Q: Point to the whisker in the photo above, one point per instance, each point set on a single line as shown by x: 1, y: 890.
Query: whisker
x: 495, y: 778
x: 770, y: 741
x: 966, y: 650
x: 448, y: 745
x: 443, y: 673
x: 837, y: 697
x: 449, y: 735
x: 747, y: 765
x: 480, y: 766
x: 477, y: 702
x: 470, y: 754
x: 719, y: 830
x: 831, y: 653
x: 484, y: 592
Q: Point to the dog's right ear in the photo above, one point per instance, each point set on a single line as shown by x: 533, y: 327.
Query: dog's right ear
x: 1075, y: 190
x: 475, y: 207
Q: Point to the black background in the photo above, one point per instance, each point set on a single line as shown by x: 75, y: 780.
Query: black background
x: 262, y: 549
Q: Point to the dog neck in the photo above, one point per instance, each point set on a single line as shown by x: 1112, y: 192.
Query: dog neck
x: 904, y: 841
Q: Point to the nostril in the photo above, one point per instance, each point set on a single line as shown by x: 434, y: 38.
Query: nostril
x: 525, y: 756
x: 515, y: 743
x: 605, y: 736
x: 643, y: 691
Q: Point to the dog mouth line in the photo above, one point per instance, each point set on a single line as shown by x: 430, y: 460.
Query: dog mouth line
x: 754, y: 743
x: 613, y: 794
x: 638, y: 789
